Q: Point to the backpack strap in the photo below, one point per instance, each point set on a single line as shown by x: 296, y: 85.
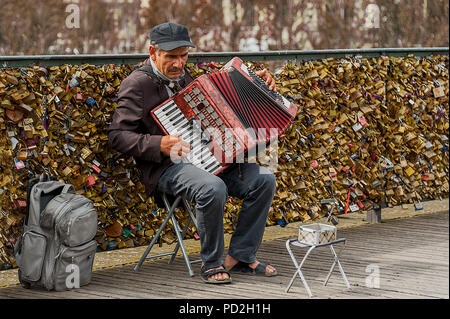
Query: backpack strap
x: 67, y: 188
x: 31, y: 183
x: 45, y: 178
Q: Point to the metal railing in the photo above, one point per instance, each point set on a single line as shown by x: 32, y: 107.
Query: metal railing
x: 195, y: 57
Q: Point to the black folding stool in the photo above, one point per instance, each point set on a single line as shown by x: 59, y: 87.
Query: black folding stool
x: 180, y: 233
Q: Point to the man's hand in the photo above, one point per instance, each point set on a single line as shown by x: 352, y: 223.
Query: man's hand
x: 270, y: 82
x: 173, y: 146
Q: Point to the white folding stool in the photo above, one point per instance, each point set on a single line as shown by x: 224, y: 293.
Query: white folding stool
x: 297, y: 243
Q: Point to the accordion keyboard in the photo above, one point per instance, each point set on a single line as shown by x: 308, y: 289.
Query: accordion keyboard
x: 174, y: 121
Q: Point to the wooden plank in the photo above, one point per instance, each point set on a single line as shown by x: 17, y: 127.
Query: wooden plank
x: 162, y: 286
x: 412, y: 255
x: 195, y: 284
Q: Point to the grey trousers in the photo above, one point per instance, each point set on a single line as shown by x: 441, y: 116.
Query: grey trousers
x: 256, y: 187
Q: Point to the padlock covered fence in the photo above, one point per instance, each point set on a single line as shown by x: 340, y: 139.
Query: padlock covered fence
x: 371, y: 129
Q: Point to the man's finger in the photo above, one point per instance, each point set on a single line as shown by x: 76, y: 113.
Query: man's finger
x: 178, y: 150
x: 262, y: 73
x: 272, y: 87
x: 175, y: 139
x: 269, y: 80
x: 183, y: 150
x: 184, y: 144
x: 186, y: 149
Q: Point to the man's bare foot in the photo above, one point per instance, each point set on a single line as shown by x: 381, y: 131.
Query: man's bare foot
x: 230, y: 262
x: 269, y: 269
x: 218, y: 276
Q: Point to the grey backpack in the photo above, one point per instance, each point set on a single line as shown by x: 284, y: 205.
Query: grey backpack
x: 56, y: 249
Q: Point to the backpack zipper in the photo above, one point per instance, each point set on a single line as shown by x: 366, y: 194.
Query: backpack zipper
x: 51, y: 263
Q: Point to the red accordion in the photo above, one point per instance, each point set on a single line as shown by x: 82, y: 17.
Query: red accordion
x: 224, y: 114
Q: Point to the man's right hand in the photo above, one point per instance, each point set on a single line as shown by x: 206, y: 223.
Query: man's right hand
x: 173, y: 146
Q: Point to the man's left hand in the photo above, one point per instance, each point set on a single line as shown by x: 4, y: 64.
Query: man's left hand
x: 270, y: 82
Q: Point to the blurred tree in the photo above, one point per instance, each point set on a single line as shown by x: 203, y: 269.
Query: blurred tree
x: 413, y: 23
x: 97, y: 28
x: 203, y: 17
x: 27, y: 28
x: 119, y: 26
x: 338, y: 26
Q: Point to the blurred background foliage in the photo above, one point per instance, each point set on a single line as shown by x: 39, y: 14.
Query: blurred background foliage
x: 121, y: 26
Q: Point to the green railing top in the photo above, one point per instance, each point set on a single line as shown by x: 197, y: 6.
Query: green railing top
x: 194, y: 57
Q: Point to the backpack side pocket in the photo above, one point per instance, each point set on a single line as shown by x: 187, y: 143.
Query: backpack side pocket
x: 30, y: 256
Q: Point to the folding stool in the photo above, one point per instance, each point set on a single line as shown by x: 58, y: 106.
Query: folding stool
x: 180, y: 233
x: 297, y: 243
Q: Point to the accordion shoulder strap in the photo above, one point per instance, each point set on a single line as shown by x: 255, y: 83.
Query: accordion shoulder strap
x: 147, y: 69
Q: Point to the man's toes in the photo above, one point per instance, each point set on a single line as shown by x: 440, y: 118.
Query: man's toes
x: 271, y: 270
x: 219, y: 277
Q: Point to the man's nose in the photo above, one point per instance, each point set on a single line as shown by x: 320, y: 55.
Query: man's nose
x: 178, y: 63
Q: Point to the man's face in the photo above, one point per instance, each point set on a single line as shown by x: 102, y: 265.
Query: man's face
x: 170, y: 63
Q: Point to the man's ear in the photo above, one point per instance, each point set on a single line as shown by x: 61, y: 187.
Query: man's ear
x: 152, y: 51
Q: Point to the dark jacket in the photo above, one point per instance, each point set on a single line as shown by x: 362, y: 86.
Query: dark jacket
x: 134, y: 132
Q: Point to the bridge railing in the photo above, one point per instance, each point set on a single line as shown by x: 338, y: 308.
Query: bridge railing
x: 195, y: 57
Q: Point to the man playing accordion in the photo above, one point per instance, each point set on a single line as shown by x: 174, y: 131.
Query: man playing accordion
x: 134, y: 132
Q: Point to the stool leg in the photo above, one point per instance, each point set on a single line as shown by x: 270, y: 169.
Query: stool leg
x: 155, y: 238
x: 336, y: 261
x: 183, y: 234
x: 298, y: 271
x: 341, y: 269
x: 295, y: 264
x: 180, y: 241
x: 191, y: 214
x: 191, y: 218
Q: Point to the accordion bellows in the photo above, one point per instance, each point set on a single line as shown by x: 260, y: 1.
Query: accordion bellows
x: 224, y: 114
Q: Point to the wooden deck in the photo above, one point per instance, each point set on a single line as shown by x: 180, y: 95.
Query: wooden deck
x: 411, y: 255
